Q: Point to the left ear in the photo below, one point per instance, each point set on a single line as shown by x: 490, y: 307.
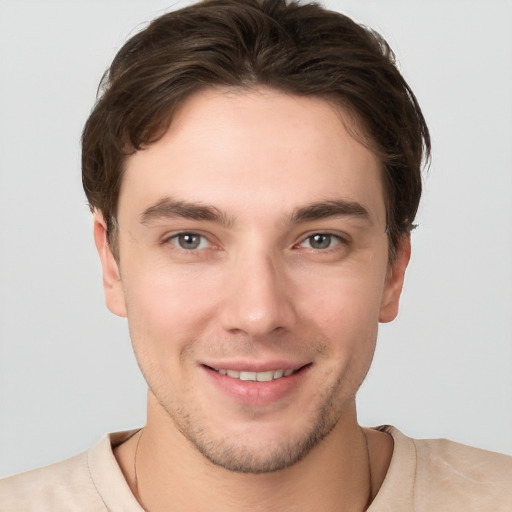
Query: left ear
x: 112, y: 285
x: 395, y: 281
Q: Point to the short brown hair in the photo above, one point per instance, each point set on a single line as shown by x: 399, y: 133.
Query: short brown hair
x: 298, y: 48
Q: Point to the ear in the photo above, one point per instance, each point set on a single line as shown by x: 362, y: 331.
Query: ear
x: 112, y: 285
x: 395, y: 281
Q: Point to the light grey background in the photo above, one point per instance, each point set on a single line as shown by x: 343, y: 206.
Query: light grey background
x: 443, y: 369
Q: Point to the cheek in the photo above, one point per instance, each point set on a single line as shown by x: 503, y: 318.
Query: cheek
x: 345, y: 300
x: 165, y: 311
x: 345, y: 314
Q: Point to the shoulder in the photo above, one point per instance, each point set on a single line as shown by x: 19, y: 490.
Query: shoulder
x: 449, y: 470
x: 91, y: 482
x: 66, y: 485
x: 440, y: 475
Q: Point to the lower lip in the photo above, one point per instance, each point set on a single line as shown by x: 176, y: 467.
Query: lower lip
x: 248, y: 392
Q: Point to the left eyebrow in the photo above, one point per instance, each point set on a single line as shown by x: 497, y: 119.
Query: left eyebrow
x: 168, y: 208
x: 327, y: 209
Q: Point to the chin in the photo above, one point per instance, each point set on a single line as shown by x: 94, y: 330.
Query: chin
x: 258, y: 458
x: 260, y: 448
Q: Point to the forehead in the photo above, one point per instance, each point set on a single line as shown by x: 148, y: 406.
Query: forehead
x: 254, y: 149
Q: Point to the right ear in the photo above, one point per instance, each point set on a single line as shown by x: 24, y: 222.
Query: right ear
x: 112, y: 285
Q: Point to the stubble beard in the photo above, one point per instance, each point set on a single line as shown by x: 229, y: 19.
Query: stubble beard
x: 238, y: 454
x: 242, y: 457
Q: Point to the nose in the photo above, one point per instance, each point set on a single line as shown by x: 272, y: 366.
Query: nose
x: 258, y: 297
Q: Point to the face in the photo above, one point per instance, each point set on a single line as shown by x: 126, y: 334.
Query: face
x: 253, y: 269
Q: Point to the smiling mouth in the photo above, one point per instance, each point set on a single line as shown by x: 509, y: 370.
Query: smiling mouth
x: 265, y: 376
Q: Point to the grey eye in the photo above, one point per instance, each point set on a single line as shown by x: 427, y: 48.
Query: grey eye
x: 189, y: 241
x: 321, y: 241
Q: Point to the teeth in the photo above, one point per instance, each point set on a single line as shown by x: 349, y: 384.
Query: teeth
x: 257, y: 376
x: 265, y: 376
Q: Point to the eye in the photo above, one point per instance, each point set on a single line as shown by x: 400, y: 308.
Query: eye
x: 321, y: 241
x: 189, y: 241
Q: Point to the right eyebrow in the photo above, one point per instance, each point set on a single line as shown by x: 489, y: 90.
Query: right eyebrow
x: 326, y: 209
x: 168, y: 208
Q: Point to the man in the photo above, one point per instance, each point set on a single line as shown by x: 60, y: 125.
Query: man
x: 254, y: 173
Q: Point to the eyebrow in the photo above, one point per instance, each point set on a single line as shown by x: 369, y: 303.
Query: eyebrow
x: 327, y: 209
x: 167, y: 208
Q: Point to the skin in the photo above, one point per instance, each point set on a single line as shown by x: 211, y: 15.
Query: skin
x: 252, y: 236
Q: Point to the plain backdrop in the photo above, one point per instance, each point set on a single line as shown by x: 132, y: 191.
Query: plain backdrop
x: 67, y: 373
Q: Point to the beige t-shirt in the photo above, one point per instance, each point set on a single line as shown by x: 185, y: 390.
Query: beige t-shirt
x: 424, y: 475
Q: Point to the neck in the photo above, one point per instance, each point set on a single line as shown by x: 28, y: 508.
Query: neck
x: 333, y: 476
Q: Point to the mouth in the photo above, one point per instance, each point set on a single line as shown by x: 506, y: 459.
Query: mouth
x: 270, y: 384
x: 262, y: 376
x: 265, y: 376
